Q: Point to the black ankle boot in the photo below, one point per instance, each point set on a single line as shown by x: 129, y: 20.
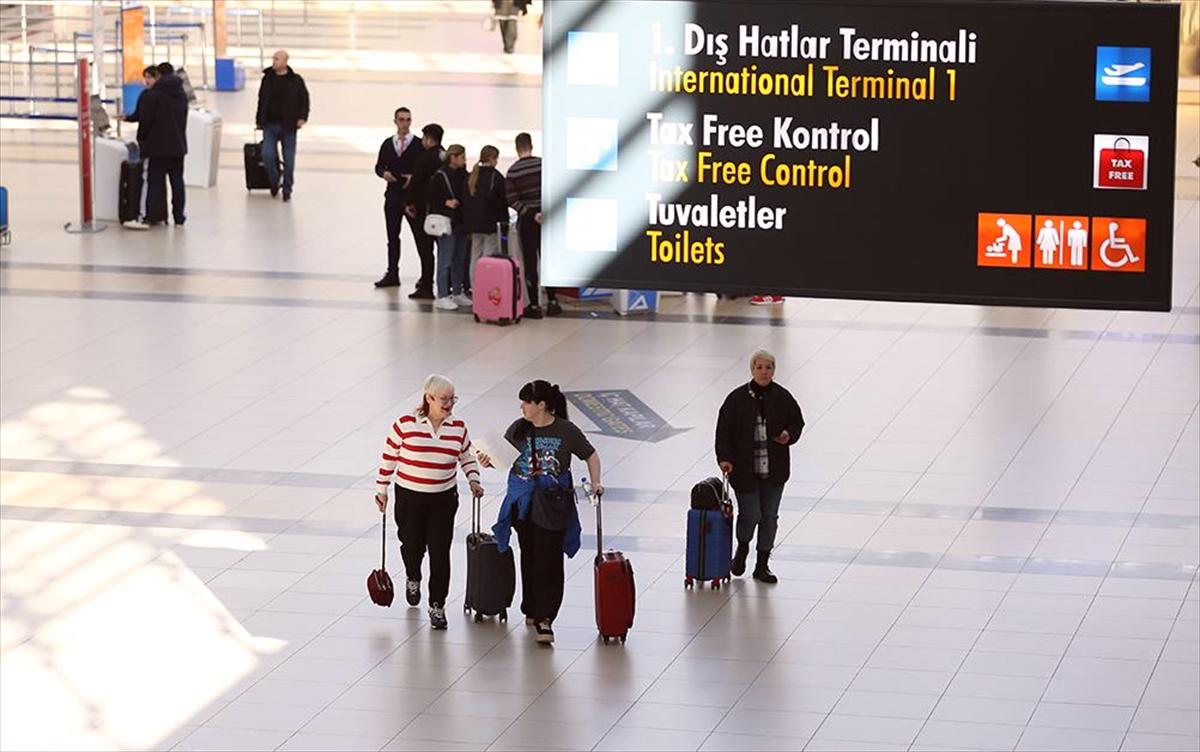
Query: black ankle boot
x: 762, y: 572
x: 738, y: 568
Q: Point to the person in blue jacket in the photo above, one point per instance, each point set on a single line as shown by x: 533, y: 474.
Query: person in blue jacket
x: 546, y: 441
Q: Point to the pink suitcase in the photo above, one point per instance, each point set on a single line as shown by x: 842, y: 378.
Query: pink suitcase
x: 498, y: 294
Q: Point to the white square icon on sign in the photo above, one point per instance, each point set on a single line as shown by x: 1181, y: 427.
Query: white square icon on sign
x: 593, y: 59
x: 591, y: 144
x: 591, y: 225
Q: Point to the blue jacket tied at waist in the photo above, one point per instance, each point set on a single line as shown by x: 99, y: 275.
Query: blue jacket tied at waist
x: 519, y: 498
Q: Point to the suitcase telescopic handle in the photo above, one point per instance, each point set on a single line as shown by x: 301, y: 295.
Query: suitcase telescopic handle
x: 587, y: 489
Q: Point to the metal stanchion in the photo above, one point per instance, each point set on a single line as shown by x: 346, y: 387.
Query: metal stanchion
x: 87, y: 223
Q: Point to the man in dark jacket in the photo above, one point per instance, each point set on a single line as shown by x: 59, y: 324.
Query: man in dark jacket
x: 398, y: 155
x: 162, y: 136
x: 150, y: 76
x: 282, y: 110
x: 757, y: 424
x: 426, y: 165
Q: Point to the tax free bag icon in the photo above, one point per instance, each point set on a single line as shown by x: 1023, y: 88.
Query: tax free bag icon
x: 1121, y: 162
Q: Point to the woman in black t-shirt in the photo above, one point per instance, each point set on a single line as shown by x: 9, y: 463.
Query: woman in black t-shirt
x: 546, y: 441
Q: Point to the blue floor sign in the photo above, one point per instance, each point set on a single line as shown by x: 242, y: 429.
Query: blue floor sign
x: 617, y: 412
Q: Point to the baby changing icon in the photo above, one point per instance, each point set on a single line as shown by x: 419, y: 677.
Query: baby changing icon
x: 1003, y: 240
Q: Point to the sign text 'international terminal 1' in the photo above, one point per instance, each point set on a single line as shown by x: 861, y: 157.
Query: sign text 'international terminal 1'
x: 965, y: 152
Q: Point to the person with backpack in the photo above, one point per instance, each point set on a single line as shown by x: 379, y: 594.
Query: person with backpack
x: 484, y: 207
x: 446, y: 190
x: 540, y: 500
x: 423, y: 451
x: 757, y: 424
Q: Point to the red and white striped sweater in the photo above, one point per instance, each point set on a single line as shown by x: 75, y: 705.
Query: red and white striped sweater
x: 423, y: 459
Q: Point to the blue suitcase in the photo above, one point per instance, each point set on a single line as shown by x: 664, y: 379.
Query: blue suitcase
x: 709, y: 545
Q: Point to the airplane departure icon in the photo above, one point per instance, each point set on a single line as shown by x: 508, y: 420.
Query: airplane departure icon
x: 1118, y: 75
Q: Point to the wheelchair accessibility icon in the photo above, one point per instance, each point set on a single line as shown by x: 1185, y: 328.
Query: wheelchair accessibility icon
x: 1118, y: 245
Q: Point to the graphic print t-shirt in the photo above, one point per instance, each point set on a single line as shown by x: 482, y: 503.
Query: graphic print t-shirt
x: 555, y: 444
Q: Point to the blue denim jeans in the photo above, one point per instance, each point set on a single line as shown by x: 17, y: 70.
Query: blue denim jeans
x: 759, y: 509
x: 273, y: 135
x: 451, y: 262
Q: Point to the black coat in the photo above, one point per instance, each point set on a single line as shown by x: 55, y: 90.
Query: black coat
x: 397, y: 164
x: 488, y: 206
x: 428, y: 162
x: 162, y: 114
x: 443, y: 186
x: 282, y: 100
x: 735, y: 434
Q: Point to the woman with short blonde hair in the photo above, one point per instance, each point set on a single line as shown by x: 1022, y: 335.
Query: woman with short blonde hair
x: 423, y: 451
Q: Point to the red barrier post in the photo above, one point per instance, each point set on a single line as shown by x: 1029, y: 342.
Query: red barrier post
x: 83, y: 94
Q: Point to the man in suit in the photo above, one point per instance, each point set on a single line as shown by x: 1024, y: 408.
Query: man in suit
x: 397, y: 159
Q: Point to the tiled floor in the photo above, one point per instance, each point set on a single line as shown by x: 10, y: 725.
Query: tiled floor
x: 991, y: 539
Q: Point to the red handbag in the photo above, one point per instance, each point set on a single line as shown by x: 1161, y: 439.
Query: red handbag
x: 379, y: 582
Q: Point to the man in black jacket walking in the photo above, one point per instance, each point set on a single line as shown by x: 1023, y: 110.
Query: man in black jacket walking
x: 398, y: 155
x: 162, y: 137
x: 756, y: 427
x: 282, y: 110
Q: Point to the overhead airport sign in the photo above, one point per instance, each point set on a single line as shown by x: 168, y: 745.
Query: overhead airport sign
x: 963, y: 152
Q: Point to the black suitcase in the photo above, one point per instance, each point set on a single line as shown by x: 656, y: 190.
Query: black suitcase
x: 491, y: 575
x: 256, y: 171
x: 129, y: 192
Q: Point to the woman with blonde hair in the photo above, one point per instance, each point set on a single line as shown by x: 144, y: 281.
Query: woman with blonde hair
x: 484, y: 207
x: 423, y: 451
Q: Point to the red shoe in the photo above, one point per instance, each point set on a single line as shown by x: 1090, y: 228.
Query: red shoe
x: 766, y: 300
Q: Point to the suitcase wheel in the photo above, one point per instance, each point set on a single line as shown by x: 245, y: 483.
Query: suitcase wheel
x: 716, y: 584
x: 504, y: 616
x: 478, y: 617
x: 476, y: 315
x: 688, y: 582
x: 622, y: 639
x: 466, y: 607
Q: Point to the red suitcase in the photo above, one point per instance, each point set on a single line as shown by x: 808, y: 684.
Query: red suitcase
x: 615, y: 593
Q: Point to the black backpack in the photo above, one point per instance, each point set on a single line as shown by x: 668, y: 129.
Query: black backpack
x: 709, y: 494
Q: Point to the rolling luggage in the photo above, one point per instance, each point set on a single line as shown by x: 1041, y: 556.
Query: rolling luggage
x: 615, y: 593
x: 256, y: 171
x: 498, y: 292
x: 129, y: 190
x: 491, y: 575
x: 709, y: 534
x: 116, y: 163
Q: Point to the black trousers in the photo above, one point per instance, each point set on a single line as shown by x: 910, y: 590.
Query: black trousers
x: 394, y: 217
x: 425, y: 521
x: 170, y: 168
x: 542, y: 574
x: 531, y: 253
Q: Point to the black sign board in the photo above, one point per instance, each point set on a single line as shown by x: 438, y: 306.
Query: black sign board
x: 966, y: 152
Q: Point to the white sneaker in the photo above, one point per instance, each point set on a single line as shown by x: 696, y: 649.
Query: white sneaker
x: 135, y: 224
x: 445, y: 304
x: 463, y: 300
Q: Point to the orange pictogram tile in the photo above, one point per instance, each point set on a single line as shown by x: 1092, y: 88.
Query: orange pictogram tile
x: 1004, y: 240
x: 1118, y: 244
x: 1060, y: 242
